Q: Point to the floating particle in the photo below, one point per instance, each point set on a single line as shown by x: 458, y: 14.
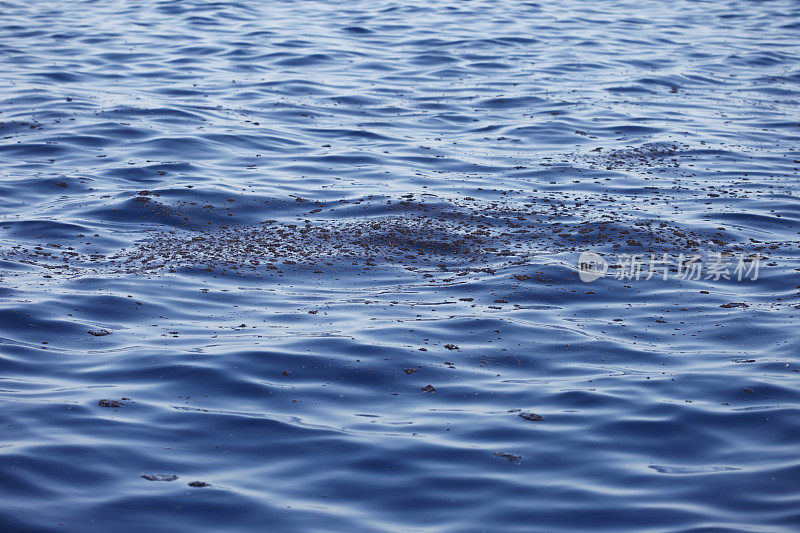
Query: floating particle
x: 160, y: 477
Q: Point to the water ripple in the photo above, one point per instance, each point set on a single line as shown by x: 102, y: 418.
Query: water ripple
x: 314, y: 266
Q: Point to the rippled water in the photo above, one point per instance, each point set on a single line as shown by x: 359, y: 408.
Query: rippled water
x: 311, y: 266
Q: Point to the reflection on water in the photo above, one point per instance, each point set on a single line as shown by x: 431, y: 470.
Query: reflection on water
x: 311, y: 266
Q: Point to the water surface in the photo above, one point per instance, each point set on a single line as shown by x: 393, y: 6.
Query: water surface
x: 311, y: 266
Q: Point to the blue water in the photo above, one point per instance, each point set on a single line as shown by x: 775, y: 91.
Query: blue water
x: 312, y: 266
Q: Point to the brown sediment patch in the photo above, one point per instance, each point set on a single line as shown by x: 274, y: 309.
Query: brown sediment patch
x: 646, y: 155
x: 460, y: 236
x: 470, y: 236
